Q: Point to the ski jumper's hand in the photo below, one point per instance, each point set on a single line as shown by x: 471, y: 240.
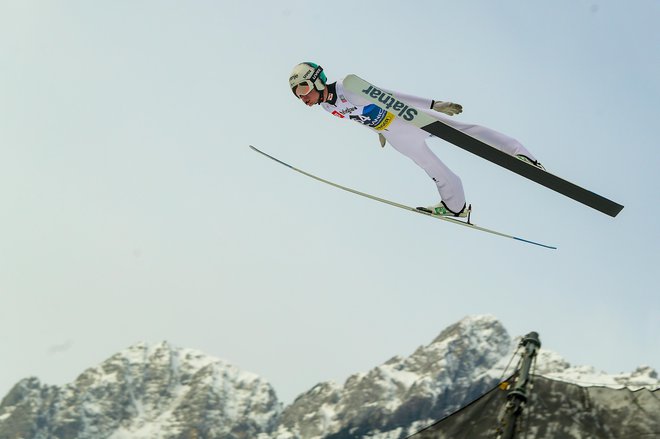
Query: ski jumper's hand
x: 448, y: 108
x: 382, y: 140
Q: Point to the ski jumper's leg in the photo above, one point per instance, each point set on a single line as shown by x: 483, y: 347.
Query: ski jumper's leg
x: 491, y: 137
x: 411, y: 142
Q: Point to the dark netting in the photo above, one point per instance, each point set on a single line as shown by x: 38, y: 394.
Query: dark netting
x: 557, y: 409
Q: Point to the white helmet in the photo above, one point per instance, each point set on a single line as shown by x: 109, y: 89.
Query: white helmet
x: 305, y: 77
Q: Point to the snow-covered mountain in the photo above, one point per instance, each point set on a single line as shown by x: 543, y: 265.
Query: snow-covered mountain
x: 144, y: 392
x: 163, y: 392
x: 403, y: 393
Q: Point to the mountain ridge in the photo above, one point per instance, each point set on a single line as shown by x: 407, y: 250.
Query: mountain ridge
x: 161, y: 391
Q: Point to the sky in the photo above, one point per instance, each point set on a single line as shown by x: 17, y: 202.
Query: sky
x: 133, y: 209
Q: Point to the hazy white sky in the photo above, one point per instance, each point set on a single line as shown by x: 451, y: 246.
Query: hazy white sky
x: 133, y: 209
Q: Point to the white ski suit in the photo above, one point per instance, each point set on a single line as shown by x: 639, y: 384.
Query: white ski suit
x: 411, y: 141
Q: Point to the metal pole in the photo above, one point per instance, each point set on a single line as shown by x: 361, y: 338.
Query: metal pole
x: 517, y: 397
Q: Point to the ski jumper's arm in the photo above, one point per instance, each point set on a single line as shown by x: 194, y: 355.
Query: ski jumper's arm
x: 413, y: 101
x: 424, y: 104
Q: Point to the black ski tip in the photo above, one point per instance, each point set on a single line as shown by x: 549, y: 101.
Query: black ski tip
x: 614, y: 211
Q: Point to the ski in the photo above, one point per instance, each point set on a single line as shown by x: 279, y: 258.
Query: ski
x: 439, y: 129
x: 403, y: 206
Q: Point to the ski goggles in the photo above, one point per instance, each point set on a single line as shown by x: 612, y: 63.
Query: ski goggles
x: 303, y: 89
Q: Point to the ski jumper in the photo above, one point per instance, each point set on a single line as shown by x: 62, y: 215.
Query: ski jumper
x: 411, y: 141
